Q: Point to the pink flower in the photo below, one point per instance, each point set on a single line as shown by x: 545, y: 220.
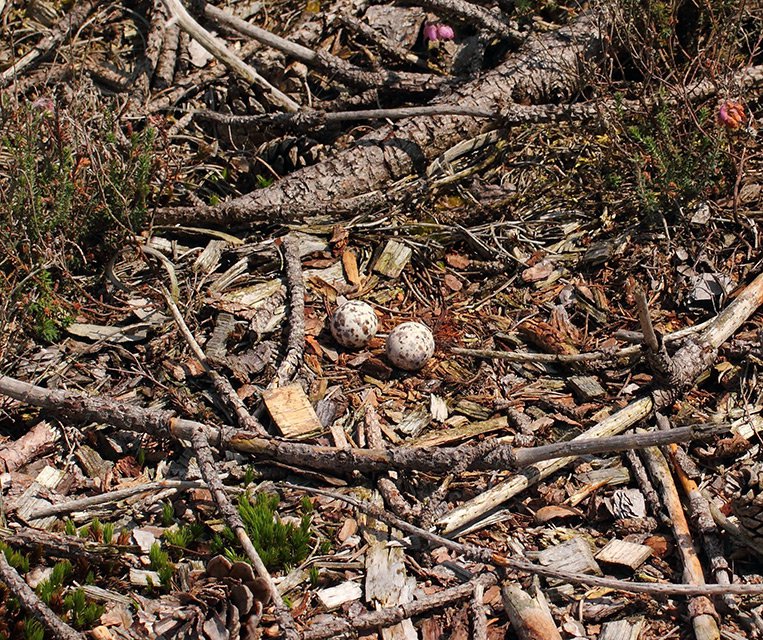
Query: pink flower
x: 434, y: 32
x: 445, y: 32
x: 430, y: 31
x: 731, y: 114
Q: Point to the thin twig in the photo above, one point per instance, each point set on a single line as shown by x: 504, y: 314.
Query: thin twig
x: 222, y: 385
x: 645, y: 320
x: 592, y: 356
x: 478, y: 613
x: 296, y: 286
x: 58, y: 545
x: 112, y: 496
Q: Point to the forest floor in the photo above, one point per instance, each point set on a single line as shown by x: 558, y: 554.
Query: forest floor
x: 574, y: 212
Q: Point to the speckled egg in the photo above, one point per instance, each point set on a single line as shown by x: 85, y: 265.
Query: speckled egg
x: 410, y: 345
x: 354, y: 324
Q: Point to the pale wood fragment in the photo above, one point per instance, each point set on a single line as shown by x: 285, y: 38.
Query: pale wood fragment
x: 94, y: 465
x: 621, y: 630
x: 586, y: 387
x: 387, y: 582
x: 334, y: 597
x: 574, y: 556
x: 28, y: 503
x: 209, y: 259
x: 144, y: 578
x: 291, y: 411
x: 38, y: 441
x: 393, y: 259
x: 627, y: 554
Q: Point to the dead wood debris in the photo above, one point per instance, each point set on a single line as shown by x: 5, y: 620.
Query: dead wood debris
x: 520, y: 188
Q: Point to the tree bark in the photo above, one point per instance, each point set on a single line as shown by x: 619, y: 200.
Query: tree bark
x: 547, y: 67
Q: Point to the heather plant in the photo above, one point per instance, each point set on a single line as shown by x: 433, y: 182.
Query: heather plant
x: 74, y: 186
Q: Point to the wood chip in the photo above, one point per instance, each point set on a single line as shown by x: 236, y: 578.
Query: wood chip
x: 586, y: 387
x: 393, y: 259
x: 573, y: 555
x: 28, y: 503
x: 350, y: 263
x: 621, y: 630
x: 334, y: 597
x: 627, y: 554
x: 144, y: 578
x: 291, y: 411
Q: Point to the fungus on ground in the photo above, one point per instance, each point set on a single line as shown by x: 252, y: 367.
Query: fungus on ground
x: 354, y: 324
x: 410, y: 345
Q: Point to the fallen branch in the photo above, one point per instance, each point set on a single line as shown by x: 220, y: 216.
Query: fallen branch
x: 295, y: 348
x: 81, y: 504
x: 310, y: 120
x: 220, y: 51
x: 481, y: 457
x: 350, y: 180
